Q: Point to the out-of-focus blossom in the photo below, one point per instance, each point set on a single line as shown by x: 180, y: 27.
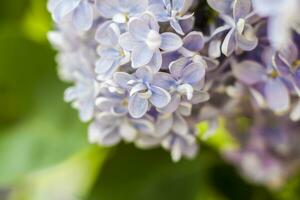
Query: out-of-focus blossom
x: 283, y: 17
x: 80, y: 11
x: 180, y: 142
x: 275, y: 79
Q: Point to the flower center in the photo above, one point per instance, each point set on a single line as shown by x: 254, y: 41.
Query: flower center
x: 153, y: 40
x: 120, y: 18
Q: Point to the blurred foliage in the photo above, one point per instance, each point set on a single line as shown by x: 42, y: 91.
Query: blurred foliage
x: 43, y: 147
x: 72, y: 179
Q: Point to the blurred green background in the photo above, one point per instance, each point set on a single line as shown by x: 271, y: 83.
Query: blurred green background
x: 44, y: 153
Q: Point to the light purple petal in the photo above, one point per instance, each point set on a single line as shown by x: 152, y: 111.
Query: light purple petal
x: 159, y: 12
x: 163, y: 125
x: 83, y: 16
x: 180, y: 125
x: 107, y: 8
x: 137, y: 106
x: 128, y: 132
x: 277, y: 95
x: 193, y: 73
x: 220, y: 30
x: 173, y: 105
x: 170, y: 41
x: 103, y: 65
x: 160, y: 97
x: 248, y: 40
x: 156, y: 61
x: 176, y: 26
x: 214, y: 49
x: 241, y: 8
x: 228, y: 45
x: 137, y: 88
x: 108, y: 34
x: 138, y: 29
x: 141, y: 56
x: 194, y: 41
x: 249, y: 72
x: 187, y: 25
x: 177, y: 67
x: 122, y: 79
x: 128, y: 42
x: 163, y: 80
x: 63, y: 8
x: 145, y: 74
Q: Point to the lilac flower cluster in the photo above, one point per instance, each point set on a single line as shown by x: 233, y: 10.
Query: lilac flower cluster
x: 144, y: 71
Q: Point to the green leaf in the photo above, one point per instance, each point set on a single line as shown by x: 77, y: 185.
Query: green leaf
x: 70, y: 180
x: 132, y: 174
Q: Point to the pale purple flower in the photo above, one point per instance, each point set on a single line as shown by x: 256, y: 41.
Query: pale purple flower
x: 84, y: 93
x: 112, y: 56
x: 120, y: 11
x: 80, y: 11
x: 109, y: 129
x: 193, y: 43
x: 240, y: 34
x: 180, y: 141
x: 142, y: 90
x: 185, y: 83
x: 173, y: 11
x: 145, y: 42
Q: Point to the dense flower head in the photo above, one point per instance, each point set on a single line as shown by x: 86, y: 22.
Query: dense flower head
x: 145, y: 73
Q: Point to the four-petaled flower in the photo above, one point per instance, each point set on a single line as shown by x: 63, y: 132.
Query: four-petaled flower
x: 142, y: 90
x: 145, y: 42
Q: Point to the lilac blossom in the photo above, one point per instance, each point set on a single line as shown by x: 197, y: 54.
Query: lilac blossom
x: 240, y: 34
x: 112, y: 56
x: 80, y: 11
x: 193, y: 44
x: 185, y: 83
x: 180, y: 142
x: 142, y: 90
x: 120, y: 11
x: 173, y: 11
x: 108, y: 129
x: 145, y: 42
